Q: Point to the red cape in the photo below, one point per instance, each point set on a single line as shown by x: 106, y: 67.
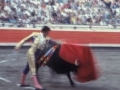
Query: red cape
x: 87, y: 70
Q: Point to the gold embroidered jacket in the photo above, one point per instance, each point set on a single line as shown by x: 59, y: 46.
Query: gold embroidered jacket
x: 37, y: 44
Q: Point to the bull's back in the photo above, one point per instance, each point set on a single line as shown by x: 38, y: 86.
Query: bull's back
x: 59, y: 65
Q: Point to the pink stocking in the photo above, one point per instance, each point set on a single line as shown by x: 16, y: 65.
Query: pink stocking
x: 35, y: 81
x: 23, y: 79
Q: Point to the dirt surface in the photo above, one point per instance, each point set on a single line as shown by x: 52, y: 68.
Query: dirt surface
x: 108, y: 58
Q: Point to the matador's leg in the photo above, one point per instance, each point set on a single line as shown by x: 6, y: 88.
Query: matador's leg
x: 26, y: 69
x: 24, y: 74
x: 32, y: 66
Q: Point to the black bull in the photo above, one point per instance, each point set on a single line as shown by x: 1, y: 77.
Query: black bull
x: 59, y: 65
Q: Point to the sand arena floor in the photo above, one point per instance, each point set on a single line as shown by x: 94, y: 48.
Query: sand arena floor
x: 108, y: 58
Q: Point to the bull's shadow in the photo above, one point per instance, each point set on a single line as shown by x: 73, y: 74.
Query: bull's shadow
x: 80, y: 86
x: 61, y: 83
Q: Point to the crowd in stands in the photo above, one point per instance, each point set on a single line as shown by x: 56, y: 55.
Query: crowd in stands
x: 100, y: 12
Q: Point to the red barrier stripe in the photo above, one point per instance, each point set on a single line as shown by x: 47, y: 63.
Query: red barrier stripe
x: 68, y: 36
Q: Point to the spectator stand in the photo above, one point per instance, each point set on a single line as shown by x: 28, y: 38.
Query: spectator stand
x: 76, y: 12
x: 59, y: 27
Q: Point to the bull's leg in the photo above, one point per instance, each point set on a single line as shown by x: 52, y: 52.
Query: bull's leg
x: 69, y: 77
x: 52, y: 72
x: 53, y: 75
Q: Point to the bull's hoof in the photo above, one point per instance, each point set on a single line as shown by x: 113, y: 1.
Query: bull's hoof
x: 73, y: 84
x: 39, y: 89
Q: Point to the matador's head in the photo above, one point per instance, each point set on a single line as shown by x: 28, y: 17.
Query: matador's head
x: 45, y: 30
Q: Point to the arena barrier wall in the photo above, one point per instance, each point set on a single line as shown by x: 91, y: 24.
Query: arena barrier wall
x: 9, y: 37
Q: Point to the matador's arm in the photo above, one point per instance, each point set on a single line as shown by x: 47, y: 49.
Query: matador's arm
x: 26, y: 39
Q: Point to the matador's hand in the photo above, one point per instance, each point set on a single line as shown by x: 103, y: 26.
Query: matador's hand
x: 16, y: 48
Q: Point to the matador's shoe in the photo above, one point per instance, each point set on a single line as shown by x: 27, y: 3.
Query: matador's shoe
x: 21, y: 85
